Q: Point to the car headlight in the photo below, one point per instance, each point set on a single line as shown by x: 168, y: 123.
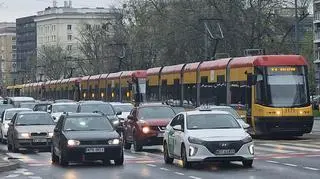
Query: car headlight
x: 24, y: 135
x: 73, y: 142
x: 247, y: 139
x: 50, y: 134
x: 145, y: 130
x: 195, y: 140
x: 114, y: 141
x: 6, y: 126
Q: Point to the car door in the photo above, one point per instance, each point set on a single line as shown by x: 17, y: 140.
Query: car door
x: 131, y: 124
x: 179, y: 136
x: 171, y: 135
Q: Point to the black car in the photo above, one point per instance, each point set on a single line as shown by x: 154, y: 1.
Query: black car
x: 80, y: 137
x: 100, y: 107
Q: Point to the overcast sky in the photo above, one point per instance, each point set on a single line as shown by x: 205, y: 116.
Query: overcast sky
x: 10, y: 10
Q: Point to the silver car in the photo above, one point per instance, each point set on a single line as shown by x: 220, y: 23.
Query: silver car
x: 207, y: 136
x: 30, y: 130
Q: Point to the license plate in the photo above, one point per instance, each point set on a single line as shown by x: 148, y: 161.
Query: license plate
x: 225, y: 152
x: 94, y: 150
x: 39, y: 140
x: 160, y: 134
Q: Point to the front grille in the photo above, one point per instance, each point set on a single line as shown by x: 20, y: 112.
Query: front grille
x: 35, y: 134
x: 213, y: 146
x: 94, y: 142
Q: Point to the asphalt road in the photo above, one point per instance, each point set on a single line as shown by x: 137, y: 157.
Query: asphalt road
x: 281, y: 158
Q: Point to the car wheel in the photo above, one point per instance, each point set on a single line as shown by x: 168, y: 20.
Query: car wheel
x: 136, y: 145
x: 14, y: 149
x: 54, y: 157
x: 62, y: 160
x: 9, y: 146
x: 126, y: 145
x: 247, y: 163
x: 120, y: 160
x: 185, y: 163
x: 1, y: 137
x: 166, y: 156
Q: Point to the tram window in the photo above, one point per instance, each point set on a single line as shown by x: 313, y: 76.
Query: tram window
x: 204, y: 80
x: 220, y: 78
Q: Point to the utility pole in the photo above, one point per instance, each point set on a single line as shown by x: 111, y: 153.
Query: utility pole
x: 296, y: 28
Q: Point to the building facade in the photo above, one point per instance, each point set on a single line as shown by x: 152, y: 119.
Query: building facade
x: 61, y: 27
x: 316, y: 41
x: 8, y: 53
x: 26, y: 48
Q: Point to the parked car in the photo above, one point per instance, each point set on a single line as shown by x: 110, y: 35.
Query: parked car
x: 146, y: 124
x: 100, y: 107
x: 80, y: 137
x: 207, y: 136
x: 30, y: 130
x: 6, y: 118
x: 57, y: 109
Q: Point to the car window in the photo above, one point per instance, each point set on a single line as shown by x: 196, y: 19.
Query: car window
x: 60, y: 123
x: 174, y: 121
x: 87, y: 123
x: 64, y: 108
x: 9, y: 114
x: 104, y: 108
x: 155, y: 112
x: 42, y: 107
x: 34, y: 119
x: 211, y: 121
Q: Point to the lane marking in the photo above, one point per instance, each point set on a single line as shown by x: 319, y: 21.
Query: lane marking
x: 272, y: 150
x: 271, y: 161
x: 281, y: 147
x: 194, y: 177
x: 303, y: 145
x: 151, y: 165
x: 310, y: 168
x: 178, y: 173
x: 28, y: 173
x: 290, y: 165
x: 35, y: 177
x: 313, y: 156
x: 165, y: 169
x: 12, y: 176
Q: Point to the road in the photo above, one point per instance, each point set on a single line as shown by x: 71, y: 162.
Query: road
x: 280, y: 158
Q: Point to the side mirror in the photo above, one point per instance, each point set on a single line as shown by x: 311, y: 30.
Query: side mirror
x: 177, y: 128
x: 55, y: 130
x: 49, y: 111
x: 243, y: 124
x: 119, y: 112
x: 130, y: 117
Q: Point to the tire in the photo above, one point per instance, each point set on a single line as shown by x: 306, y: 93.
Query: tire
x: 54, y: 157
x: 9, y: 147
x: 120, y: 160
x: 247, y: 163
x: 166, y: 156
x: 136, y: 145
x: 14, y: 149
x: 185, y: 163
x: 126, y: 145
x: 62, y: 161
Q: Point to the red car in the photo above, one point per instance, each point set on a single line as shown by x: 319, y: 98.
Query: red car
x: 146, y: 124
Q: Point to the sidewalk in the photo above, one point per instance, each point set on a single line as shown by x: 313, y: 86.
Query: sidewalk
x: 7, y: 164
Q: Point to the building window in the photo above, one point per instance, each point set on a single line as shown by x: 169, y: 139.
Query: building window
x: 69, y: 27
x: 69, y: 47
x: 13, y: 38
x: 69, y: 37
x: 88, y: 26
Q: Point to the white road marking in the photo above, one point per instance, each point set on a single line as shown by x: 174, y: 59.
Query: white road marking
x: 310, y: 168
x: 35, y: 177
x: 151, y: 165
x: 273, y: 150
x: 271, y: 161
x: 165, y: 169
x: 313, y: 156
x: 290, y: 165
x: 28, y: 173
x: 12, y: 176
x: 282, y: 147
x: 194, y: 177
x: 303, y: 145
x: 178, y: 173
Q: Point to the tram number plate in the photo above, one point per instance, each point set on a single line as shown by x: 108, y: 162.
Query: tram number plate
x: 94, y: 150
x: 225, y: 152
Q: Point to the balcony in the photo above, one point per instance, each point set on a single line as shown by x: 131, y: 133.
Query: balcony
x: 316, y: 18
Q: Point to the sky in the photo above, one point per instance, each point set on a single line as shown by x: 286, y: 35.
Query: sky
x: 10, y: 10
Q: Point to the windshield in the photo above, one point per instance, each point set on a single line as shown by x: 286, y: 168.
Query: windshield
x: 27, y: 105
x: 34, y: 119
x: 64, y: 108
x: 287, y: 90
x: 211, y: 121
x: 104, y: 108
x: 87, y: 123
x: 123, y: 108
x: 156, y: 112
x: 229, y: 110
x: 10, y: 114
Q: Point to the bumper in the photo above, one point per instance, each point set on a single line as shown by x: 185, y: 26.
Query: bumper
x: 204, y: 155
x: 284, y: 125
x: 79, y: 154
x: 154, y: 138
x: 29, y: 144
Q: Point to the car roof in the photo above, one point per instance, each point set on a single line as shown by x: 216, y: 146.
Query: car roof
x: 19, y: 109
x: 220, y: 107
x: 68, y: 103
x: 153, y: 104
x: 205, y: 112
x: 21, y: 98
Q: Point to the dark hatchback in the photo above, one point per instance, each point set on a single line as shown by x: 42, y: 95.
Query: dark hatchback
x: 81, y: 137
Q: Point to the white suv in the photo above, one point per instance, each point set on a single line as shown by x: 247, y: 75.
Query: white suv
x: 207, y: 136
